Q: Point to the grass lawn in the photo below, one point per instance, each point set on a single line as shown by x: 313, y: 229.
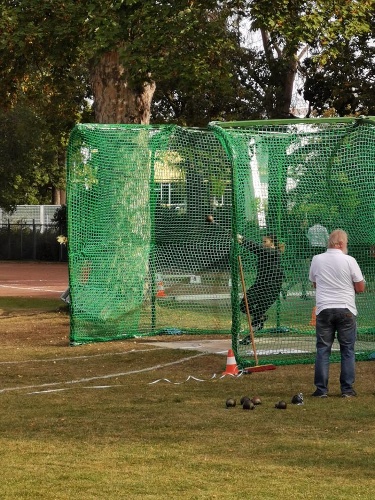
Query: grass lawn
x: 128, y: 420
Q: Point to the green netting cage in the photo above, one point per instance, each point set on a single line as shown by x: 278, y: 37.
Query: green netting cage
x: 161, y: 217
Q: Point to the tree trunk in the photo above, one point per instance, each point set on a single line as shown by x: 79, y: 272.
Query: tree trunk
x: 285, y: 98
x: 283, y: 65
x: 114, y: 100
x: 58, y: 196
x: 279, y: 100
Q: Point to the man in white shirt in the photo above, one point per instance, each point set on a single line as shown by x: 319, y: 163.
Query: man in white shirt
x: 337, y: 277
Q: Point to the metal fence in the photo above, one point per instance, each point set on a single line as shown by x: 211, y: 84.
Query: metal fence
x: 29, y: 234
x: 29, y: 214
x: 30, y: 242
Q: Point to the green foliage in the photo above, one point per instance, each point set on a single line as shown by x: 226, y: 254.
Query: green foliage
x: 28, y: 159
x: 193, y: 51
x: 295, y: 22
x: 344, y: 86
x: 59, y: 219
x: 290, y: 29
x: 152, y: 37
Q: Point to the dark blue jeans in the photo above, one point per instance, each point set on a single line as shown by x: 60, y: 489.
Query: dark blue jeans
x: 344, y: 323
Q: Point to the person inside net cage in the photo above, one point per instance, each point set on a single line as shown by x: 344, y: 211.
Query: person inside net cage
x: 268, y: 282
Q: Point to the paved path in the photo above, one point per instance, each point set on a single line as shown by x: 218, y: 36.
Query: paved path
x: 220, y: 346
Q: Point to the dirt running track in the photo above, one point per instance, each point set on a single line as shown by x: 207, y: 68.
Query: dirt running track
x: 33, y: 279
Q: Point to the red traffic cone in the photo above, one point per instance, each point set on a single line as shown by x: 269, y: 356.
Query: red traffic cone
x: 232, y: 368
x: 161, y: 291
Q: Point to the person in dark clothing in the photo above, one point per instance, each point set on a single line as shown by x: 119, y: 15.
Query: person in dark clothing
x: 268, y: 282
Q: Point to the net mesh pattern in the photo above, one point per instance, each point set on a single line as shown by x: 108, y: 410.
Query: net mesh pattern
x: 144, y: 259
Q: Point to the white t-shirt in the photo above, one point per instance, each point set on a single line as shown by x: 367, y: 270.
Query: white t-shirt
x: 335, y: 274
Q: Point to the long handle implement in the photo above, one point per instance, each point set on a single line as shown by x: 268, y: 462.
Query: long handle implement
x: 257, y: 367
x: 247, y: 310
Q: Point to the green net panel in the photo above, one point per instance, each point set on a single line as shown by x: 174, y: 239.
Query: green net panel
x: 143, y: 259
x: 288, y: 177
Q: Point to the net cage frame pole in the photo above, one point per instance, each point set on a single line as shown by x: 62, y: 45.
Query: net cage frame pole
x: 236, y: 252
x: 288, y: 121
x: 235, y: 289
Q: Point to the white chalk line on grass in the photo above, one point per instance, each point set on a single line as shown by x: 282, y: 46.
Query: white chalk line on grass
x: 75, y: 358
x: 102, y: 377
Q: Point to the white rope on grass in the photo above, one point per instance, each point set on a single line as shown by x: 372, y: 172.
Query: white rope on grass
x: 191, y: 377
x: 102, y: 377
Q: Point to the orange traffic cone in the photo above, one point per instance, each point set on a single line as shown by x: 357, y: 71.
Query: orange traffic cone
x: 232, y: 368
x: 313, y: 317
x: 161, y: 291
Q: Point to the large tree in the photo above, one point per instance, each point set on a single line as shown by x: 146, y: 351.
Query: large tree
x: 265, y: 71
x: 124, y: 47
x: 56, y: 53
x: 292, y: 29
x: 41, y: 98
